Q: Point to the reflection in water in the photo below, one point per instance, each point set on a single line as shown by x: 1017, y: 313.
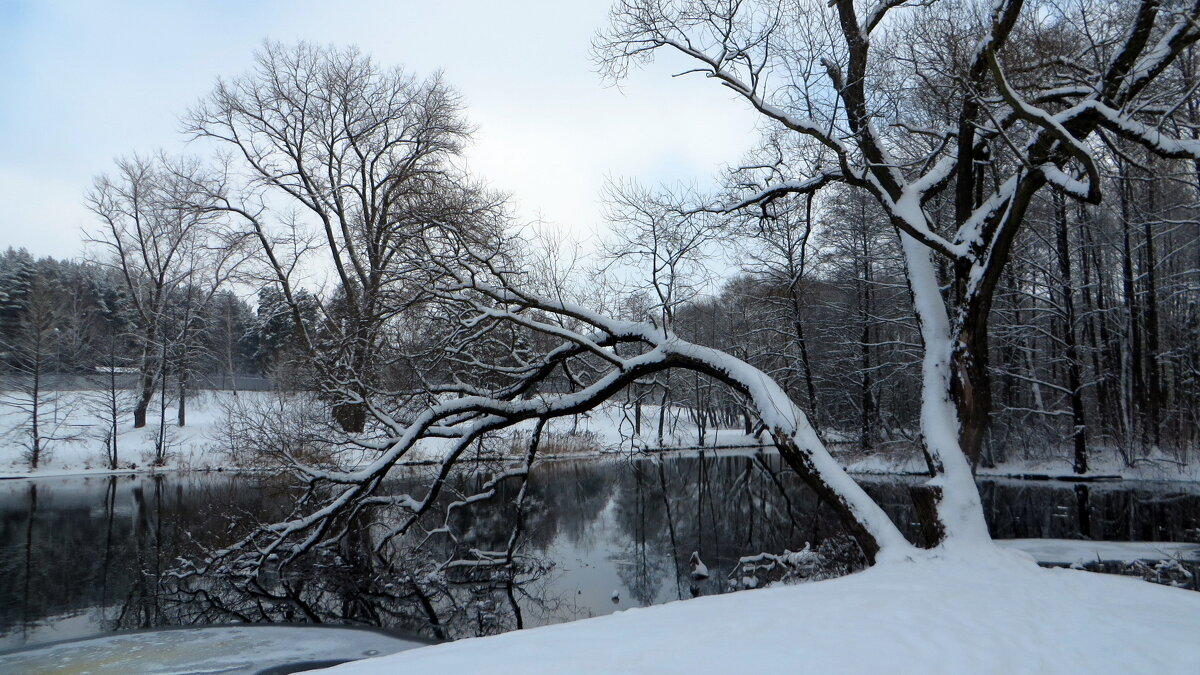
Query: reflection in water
x: 81, y: 556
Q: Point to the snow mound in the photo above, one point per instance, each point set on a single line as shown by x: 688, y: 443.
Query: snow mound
x: 989, y: 612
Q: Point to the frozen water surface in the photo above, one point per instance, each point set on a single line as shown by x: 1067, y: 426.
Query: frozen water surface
x: 214, y: 649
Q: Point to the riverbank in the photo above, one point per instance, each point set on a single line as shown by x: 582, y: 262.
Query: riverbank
x: 610, y: 430
x: 78, y: 446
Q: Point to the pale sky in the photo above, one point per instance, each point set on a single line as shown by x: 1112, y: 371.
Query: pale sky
x: 82, y: 83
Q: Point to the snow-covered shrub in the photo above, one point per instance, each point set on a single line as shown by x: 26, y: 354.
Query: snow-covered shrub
x: 833, y: 557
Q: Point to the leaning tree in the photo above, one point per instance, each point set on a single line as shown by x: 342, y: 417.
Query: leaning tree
x: 951, y: 115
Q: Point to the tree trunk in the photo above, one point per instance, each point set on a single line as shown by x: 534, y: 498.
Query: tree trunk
x: 971, y: 388
x: 352, y: 417
x: 160, y: 444
x: 1134, y: 320
x: 36, y: 412
x: 1074, y: 378
x: 864, y: 315
x: 113, y: 411
x: 148, y: 375
x: 1154, y: 388
x: 181, y: 411
x: 803, y: 466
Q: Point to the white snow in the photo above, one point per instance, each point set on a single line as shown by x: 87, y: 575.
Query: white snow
x: 995, y: 612
x: 1069, y: 551
x: 1103, y: 462
x: 194, y: 446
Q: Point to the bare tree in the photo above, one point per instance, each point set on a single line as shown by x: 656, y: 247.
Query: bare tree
x: 346, y: 164
x: 165, y: 246
x: 1010, y: 105
x: 108, y: 401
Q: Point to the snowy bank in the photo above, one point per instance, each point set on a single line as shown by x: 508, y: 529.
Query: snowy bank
x: 1104, y: 464
x: 1079, y: 551
x: 609, y: 428
x: 998, y: 614
x: 202, y: 444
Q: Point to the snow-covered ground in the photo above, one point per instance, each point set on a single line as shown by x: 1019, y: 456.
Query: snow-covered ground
x: 194, y: 446
x: 1079, y: 551
x: 992, y: 612
x: 201, y: 444
x: 1104, y: 463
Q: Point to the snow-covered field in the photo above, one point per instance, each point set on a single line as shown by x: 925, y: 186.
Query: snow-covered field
x: 194, y: 446
x: 201, y: 444
x: 1105, y: 462
x: 991, y: 612
x: 1079, y: 551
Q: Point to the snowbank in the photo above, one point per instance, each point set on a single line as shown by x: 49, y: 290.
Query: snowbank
x: 200, y: 444
x: 994, y: 613
x: 1071, y: 551
x: 608, y: 428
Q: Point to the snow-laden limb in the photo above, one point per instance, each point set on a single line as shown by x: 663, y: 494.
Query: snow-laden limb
x: 1153, y: 139
x: 1150, y: 63
x: 791, y: 187
x: 1073, y: 147
x: 464, y: 420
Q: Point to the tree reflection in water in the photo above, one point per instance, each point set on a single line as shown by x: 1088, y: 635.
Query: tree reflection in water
x: 91, y: 555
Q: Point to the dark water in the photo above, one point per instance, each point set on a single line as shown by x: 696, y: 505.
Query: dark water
x: 81, y: 556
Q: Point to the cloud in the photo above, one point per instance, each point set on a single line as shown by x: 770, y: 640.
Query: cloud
x: 93, y: 81
x: 42, y: 213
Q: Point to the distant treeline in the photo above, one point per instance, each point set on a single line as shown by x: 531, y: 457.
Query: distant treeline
x: 91, y: 323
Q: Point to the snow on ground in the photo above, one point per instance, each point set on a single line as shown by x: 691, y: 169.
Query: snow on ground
x: 194, y: 446
x: 1070, y: 551
x: 213, y: 649
x: 1105, y: 462
x: 199, y: 444
x: 995, y: 612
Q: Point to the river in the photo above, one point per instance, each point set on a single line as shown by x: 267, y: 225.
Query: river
x: 81, y: 556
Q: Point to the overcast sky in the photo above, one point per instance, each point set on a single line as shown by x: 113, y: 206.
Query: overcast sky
x: 84, y: 82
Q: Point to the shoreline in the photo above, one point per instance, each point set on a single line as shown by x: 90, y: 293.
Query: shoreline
x: 1019, y: 472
